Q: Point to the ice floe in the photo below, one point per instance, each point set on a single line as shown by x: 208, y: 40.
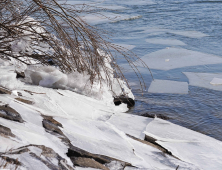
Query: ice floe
x: 125, y: 46
x: 167, y: 86
x: 207, y: 80
x: 186, y: 144
x: 189, y: 34
x: 178, y: 57
x: 139, y: 2
x: 106, y: 17
x: 165, y: 41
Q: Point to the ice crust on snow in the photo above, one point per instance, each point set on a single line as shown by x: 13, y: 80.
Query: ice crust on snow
x: 186, y: 144
x: 206, y: 80
x: 165, y: 41
x: 178, y: 57
x: 167, y: 86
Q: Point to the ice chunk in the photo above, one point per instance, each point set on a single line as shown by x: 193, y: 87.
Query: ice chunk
x: 216, y: 81
x: 130, y: 124
x: 167, y: 86
x: 107, y: 17
x: 165, y: 41
x: 178, y: 57
x: 204, y: 80
x: 190, y: 34
x: 190, y: 146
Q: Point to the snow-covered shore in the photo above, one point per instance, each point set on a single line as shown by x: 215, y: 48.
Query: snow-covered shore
x: 45, y: 128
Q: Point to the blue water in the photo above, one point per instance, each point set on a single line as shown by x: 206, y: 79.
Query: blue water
x: 201, y: 108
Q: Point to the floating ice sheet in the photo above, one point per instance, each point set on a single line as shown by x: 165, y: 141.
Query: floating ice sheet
x: 167, y: 86
x: 203, y: 151
x: 133, y: 2
x: 106, y: 17
x: 165, y: 41
x: 206, y: 80
x: 178, y: 57
x: 189, y: 34
x: 126, y: 46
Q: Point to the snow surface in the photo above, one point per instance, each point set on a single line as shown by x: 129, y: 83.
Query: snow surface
x: 167, y: 86
x: 206, y: 80
x: 178, y: 57
x: 165, y: 41
x: 187, y: 145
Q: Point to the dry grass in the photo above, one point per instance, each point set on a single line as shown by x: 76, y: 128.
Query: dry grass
x: 74, y: 44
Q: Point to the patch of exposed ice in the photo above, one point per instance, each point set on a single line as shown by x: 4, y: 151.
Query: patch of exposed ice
x: 130, y: 124
x: 203, y: 151
x: 165, y: 41
x: 167, y: 86
x: 178, y: 57
x: 206, y: 80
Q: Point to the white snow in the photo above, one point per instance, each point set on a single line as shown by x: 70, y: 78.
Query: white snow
x: 186, y: 144
x: 167, y: 86
x: 178, y: 57
x: 206, y: 80
x: 165, y: 41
